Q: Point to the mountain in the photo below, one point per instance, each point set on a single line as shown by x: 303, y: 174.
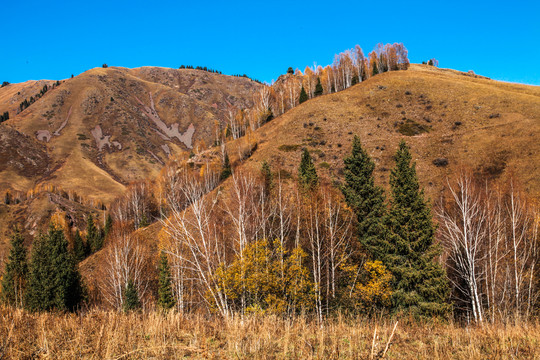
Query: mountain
x: 92, y: 134
x: 110, y: 126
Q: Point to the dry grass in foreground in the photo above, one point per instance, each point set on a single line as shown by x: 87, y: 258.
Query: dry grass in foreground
x: 110, y: 335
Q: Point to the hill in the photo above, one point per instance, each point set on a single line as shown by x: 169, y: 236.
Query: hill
x: 96, y: 132
x: 449, y: 118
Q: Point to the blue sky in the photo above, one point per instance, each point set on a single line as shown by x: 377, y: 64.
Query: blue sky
x: 52, y: 40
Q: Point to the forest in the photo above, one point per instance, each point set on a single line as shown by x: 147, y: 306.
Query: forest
x: 276, y: 243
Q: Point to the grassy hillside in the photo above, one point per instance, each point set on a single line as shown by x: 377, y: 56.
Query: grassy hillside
x: 450, y: 119
x: 13, y: 94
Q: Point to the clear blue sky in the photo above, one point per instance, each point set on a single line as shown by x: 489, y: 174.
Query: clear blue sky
x: 52, y: 39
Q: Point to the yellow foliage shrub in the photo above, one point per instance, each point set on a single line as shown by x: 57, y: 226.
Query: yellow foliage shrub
x: 370, y: 287
x: 267, y: 279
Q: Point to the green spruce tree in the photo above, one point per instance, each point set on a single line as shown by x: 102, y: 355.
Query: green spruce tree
x: 375, y: 70
x: 165, y: 294
x: 318, y: 88
x: 226, y: 170
x: 420, y: 284
x: 108, y: 225
x: 16, y: 272
x: 79, y: 250
x: 303, y: 95
x: 307, y: 174
x: 94, y: 238
x: 54, y: 281
x: 131, y: 297
x: 266, y: 174
x: 366, y: 201
x: 144, y: 221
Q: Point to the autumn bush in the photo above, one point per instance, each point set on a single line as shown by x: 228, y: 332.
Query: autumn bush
x: 268, y: 280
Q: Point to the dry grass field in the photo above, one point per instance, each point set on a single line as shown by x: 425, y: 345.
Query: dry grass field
x: 110, y: 335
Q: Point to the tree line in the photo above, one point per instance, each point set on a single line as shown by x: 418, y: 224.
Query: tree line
x: 204, y: 68
x: 295, y: 87
x: 27, y: 102
x: 4, y: 116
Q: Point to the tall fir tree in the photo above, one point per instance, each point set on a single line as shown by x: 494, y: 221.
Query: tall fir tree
x: 108, y: 225
x: 266, y: 174
x: 16, y: 272
x: 165, y: 294
x: 94, y: 238
x: 226, y: 170
x: 54, y: 281
x: 131, y: 297
x: 318, y: 88
x: 79, y: 251
x: 420, y: 284
x: 303, y: 95
x: 307, y: 174
x: 366, y: 201
x: 375, y: 69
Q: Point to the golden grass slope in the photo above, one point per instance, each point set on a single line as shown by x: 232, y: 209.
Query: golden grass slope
x: 489, y: 126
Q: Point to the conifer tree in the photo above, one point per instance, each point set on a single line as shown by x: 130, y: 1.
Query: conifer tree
x: 94, y: 238
x: 226, y: 170
x: 79, y: 250
x: 54, y: 281
x: 144, y: 221
x: 165, y: 294
x: 307, y: 174
x: 16, y: 272
x: 303, y: 95
x: 375, y: 70
x: 318, y: 88
x: 131, y: 297
x: 266, y: 174
x: 420, y: 284
x: 366, y: 201
x: 108, y: 224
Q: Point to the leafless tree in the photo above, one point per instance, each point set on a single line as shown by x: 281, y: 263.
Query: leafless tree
x: 126, y: 259
x: 197, y: 245
x: 491, y: 238
x: 463, y: 230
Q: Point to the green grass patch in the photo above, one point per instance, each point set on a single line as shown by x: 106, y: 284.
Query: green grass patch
x: 288, y: 148
x: 412, y: 128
